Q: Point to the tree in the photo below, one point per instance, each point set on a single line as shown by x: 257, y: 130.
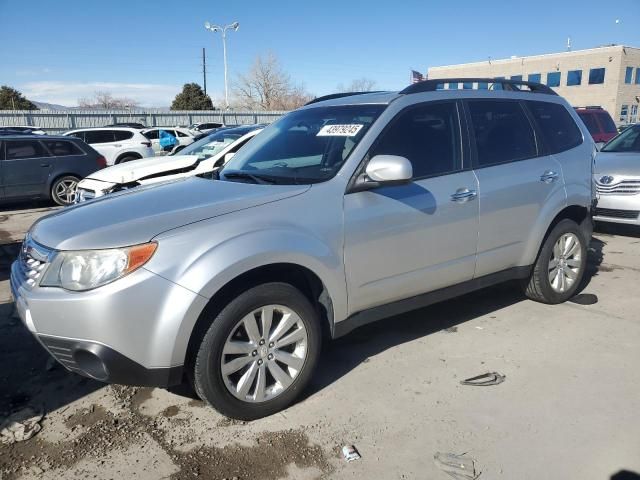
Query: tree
x: 192, y: 98
x: 358, y: 85
x: 12, y: 99
x: 105, y: 100
x: 266, y: 86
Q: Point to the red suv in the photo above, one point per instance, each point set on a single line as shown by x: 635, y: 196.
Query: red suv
x: 598, y: 122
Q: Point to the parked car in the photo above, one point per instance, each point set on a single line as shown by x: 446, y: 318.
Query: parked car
x: 37, y: 167
x: 622, y: 128
x: 136, y: 125
x: 338, y: 214
x: 16, y: 129
x: 117, y: 144
x: 183, y: 135
x: 617, y: 179
x: 599, y: 123
x: 205, y: 127
x: 199, y: 158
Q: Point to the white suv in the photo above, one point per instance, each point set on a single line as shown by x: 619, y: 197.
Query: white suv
x: 117, y: 145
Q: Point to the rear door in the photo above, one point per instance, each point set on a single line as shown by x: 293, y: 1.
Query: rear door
x: 25, y: 168
x: 517, y: 181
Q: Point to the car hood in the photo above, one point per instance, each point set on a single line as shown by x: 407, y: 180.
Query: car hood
x: 623, y: 164
x: 137, y: 215
x: 135, y: 170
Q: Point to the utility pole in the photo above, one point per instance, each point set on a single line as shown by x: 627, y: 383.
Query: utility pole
x: 204, y: 71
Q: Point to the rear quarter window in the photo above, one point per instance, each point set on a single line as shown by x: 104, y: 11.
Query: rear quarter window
x: 121, y: 135
x: 62, y: 148
x: 559, y: 131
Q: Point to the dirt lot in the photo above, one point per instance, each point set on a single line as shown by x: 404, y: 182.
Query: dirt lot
x: 568, y: 408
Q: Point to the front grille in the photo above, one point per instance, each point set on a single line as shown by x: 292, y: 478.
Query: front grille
x: 614, y: 213
x: 32, y: 262
x: 624, y: 187
x: 61, y: 350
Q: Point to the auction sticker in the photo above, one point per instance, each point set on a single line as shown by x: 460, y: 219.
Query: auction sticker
x: 350, y: 130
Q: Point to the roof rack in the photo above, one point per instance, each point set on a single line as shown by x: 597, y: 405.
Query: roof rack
x: 337, y: 95
x: 511, y: 85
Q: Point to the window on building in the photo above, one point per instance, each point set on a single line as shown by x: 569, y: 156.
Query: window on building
x: 483, y: 85
x: 440, y: 86
x: 453, y: 86
x: 637, y: 76
x: 467, y: 85
x: 517, y: 78
x: 634, y: 114
x: 596, y: 76
x: 574, y: 77
x: 628, y: 75
x: 427, y: 135
x: 624, y: 112
x: 535, y: 77
x: 497, y: 86
x: 559, y: 130
x: 553, y: 79
x: 502, y: 132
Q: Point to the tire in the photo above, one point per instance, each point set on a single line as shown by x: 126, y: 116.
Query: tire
x: 127, y: 158
x: 228, y: 342
x: 63, y: 190
x: 546, y: 282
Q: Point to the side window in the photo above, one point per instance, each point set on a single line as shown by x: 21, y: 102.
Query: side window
x: 120, y: 135
x: 152, y: 134
x: 559, y: 131
x: 428, y: 135
x: 17, y: 149
x: 60, y: 148
x: 79, y: 135
x: 502, y: 131
x: 98, y: 136
x: 591, y: 123
x: 180, y: 134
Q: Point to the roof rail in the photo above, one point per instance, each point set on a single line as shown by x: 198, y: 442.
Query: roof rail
x: 511, y: 85
x: 337, y: 95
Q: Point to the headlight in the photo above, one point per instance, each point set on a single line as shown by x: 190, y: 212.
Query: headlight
x: 88, y: 269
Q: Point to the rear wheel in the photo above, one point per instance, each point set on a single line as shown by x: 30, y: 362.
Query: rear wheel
x: 127, y: 158
x: 63, y: 190
x: 560, y: 266
x: 259, y: 352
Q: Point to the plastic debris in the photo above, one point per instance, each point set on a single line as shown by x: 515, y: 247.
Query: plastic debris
x: 490, y: 378
x: 460, y: 467
x: 350, y: 453
x: 451, y: 329
x: 21, y: 426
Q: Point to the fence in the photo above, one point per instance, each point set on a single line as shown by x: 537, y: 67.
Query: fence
x: 56, y: 121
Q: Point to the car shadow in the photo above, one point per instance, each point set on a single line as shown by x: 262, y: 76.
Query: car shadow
x: 625, y: 475
x: 609, y: 229
x: 8, y: 253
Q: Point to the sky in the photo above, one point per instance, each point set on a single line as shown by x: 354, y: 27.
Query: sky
x: 58, y: 51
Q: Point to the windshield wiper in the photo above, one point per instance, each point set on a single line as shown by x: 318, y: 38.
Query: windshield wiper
x: 257, y: 178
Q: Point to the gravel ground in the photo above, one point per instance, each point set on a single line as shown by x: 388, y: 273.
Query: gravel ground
x: 567, y: 409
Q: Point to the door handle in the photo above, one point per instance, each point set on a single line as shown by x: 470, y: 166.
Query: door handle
x: 549, y: 176
x: 463, y: 195
x: 117, y: 145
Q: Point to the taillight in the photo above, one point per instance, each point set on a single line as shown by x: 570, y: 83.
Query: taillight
x: 146, y: 144
x: 101, y: 161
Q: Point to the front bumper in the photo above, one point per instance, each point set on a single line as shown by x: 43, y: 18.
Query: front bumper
x: 623, y: 209
x: 126, y: 332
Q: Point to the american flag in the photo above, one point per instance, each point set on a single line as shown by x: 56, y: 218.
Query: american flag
x: 416, y: 77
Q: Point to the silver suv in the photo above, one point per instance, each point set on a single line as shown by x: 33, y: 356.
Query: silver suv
x: 353, y: 208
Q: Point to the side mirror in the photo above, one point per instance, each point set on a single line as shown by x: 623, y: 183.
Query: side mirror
x: 384, y: 170
x: 229, y: 156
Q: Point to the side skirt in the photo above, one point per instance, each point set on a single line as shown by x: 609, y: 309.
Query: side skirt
x: 419, y: 301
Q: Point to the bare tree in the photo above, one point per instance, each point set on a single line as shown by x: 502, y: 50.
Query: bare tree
x: 105, y: 100
x: 358, y: 85
x: 266, y: 86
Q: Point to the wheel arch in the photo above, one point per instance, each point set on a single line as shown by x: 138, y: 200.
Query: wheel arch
x: 120, y: 157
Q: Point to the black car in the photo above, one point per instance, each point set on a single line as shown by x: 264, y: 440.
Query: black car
x: 34, y: 166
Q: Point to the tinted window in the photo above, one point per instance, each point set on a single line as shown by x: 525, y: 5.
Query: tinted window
x: 596, y: 76
x: 516, y: 77
x: 559, y: 131
x: 60, y: 148
x: 120, y: 135
x: 627, y: 141
x: 180, y: 134
x: 535, y: 77
x: 17, y: 149
x: 483, y: 85
x: 79, y: 135
x: 553, y: 79
x: 453, y: 86
x: 574, y: 77
x: 628, y: 75
x: 606, y: 122
x: 152, y: 134
x: 467, y: 85
x: 98, y: 136
x: 503, y: 132
x: 590, y: 121
x: 427, y: 135
x: 637, y: 76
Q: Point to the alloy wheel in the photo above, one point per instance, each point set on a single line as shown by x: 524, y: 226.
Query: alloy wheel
x: 565, y: 262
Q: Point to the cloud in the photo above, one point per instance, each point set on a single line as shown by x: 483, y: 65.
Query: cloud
x: 32, y: 72
x: 68, y: 93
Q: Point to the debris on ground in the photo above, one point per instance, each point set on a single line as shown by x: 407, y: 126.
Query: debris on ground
x: 350, y: 453
x: 489, y: 378
x: 21, y: 426
x: 460, y: 467
x: 451, y: 329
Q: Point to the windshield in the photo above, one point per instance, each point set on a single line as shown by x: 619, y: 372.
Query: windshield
x: 627, y: 141
x: 305, y: 146
x: 212, y: 144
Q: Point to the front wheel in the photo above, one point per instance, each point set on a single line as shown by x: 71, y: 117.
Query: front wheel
x: 259, y: 352
x: 560, y: 266
x: 63, y: 190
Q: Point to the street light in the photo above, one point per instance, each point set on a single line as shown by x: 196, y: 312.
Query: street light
x: 216, y: 28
